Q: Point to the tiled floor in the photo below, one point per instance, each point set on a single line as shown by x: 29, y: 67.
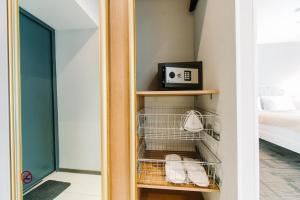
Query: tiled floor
x: 279, y: 177
x: 83, y: 186
x: 279, y: 173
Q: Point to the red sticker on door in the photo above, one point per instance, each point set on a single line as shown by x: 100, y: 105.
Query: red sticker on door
x: 26, y: 177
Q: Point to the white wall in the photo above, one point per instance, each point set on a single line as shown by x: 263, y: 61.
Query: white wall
x: 277, y: 21
x: 78, y: 91
x: 4, y: 108
x: 66, y: 14
x: 198, y: 24
x: 247, y: 116
x: 218, y: 52
x: 279, y: 65
x: 91, y: 8
x: 165, y: 33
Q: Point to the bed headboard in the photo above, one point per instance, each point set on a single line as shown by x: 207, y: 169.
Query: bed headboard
x: 271, y: 91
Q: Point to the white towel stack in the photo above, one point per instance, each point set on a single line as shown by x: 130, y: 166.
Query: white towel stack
x: 184, y: 172
x: 175, y: 172
x: 196, y: 172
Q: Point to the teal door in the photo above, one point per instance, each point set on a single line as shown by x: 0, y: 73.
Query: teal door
x: 37, y: 99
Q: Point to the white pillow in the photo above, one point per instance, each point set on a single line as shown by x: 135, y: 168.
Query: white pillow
x: 296, y: 101
x: 259, y: 106
x: 277, y: 103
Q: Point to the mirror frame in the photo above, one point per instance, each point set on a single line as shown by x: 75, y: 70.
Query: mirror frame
x: 14, y: 99
x: 15, y: 132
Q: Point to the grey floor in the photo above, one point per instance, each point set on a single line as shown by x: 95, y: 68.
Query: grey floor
x: 279, y: 173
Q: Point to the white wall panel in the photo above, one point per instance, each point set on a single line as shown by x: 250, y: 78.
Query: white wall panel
x: 78, y: 91
x: 279, y: 66
x: 64, y: 14
x: 165, y: 33
x: 218, y: 53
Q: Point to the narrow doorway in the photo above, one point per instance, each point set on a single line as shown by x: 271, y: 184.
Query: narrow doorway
x: 278, y: 68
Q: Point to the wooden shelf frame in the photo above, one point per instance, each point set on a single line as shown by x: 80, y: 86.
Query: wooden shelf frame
x: 163, y: 185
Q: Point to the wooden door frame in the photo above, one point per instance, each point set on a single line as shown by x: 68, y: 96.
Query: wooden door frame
x: 115, y: 46
x: 14, y: 100
x: 104, y: 94
x: 133, y: 99
x: 119, y: 86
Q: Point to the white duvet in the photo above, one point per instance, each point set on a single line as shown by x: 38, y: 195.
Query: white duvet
x: 285, y: 119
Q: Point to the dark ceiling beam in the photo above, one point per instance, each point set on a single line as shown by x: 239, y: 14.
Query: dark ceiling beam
x: 193, y: 5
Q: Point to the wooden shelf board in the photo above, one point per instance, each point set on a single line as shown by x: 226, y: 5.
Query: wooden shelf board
x: 169, y: 186
x: 177, y: 93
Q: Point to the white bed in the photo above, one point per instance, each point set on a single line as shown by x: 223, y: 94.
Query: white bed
x: 279, y: 127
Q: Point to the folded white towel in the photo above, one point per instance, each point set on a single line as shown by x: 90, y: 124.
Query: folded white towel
x: 175, y: 172
x: 196, y: 172
x: 172, y: 157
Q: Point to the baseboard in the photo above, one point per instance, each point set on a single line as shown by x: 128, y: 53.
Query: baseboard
x: 79, y: 171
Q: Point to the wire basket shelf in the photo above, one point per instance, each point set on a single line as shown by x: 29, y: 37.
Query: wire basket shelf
x: 166, y: 123
x: 152, y: 165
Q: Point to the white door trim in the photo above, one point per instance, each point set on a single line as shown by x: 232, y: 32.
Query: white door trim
x: 4, y: 107
x: 248, y: 142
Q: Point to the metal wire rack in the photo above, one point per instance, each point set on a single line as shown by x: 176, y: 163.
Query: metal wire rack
x: 152, y: 164
x: 166, y: 123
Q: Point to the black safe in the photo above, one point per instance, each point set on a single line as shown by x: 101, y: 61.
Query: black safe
x: 180, y: 76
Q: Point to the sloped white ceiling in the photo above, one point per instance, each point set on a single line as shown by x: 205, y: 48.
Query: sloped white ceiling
x: 278, y: 21
x: 91, y: 7
x: 64, y: 14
